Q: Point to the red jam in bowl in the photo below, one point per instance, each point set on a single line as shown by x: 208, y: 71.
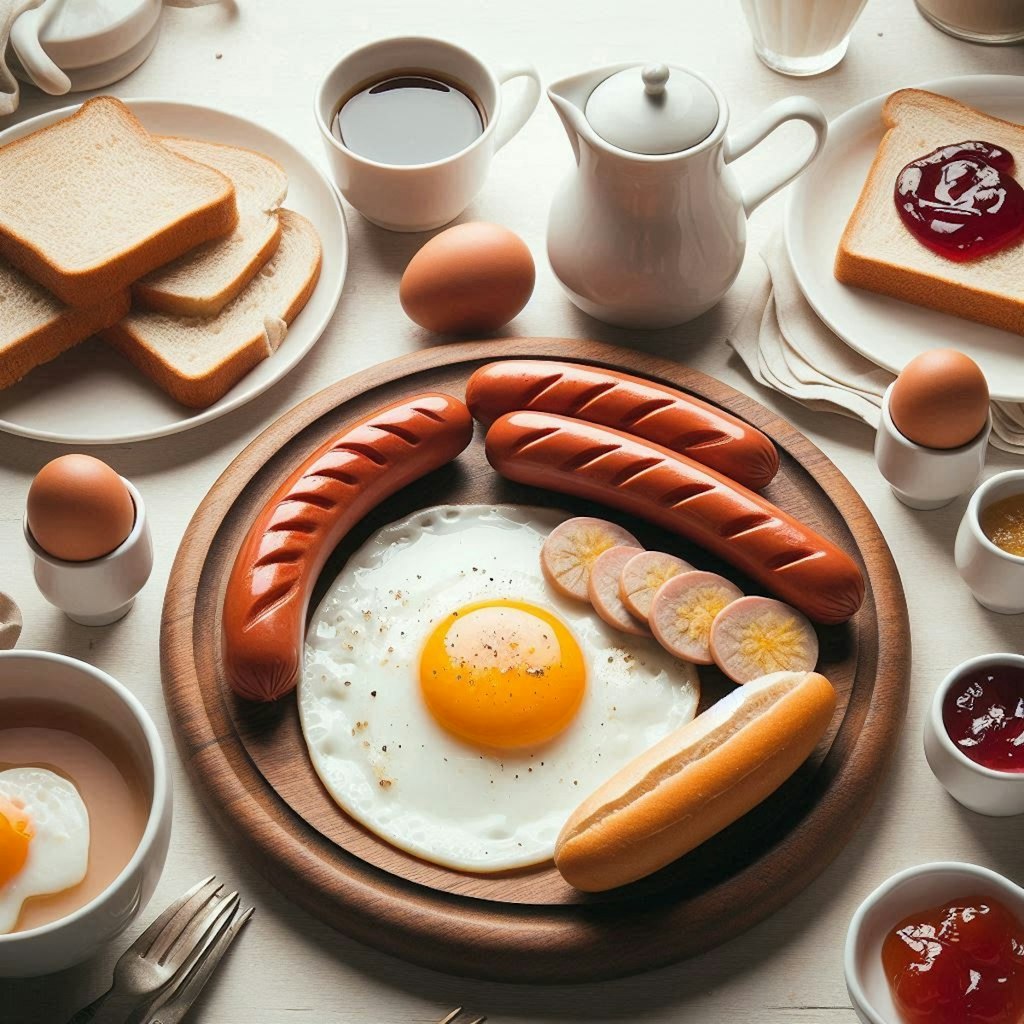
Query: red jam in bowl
x: 960, y: 963
x: 984, y: 715
x: 962, y: 201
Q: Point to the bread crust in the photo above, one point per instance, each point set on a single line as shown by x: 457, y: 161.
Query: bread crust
x: 83, y: 286
x: 695, y: 782
x: 51, y: 339
x: 945, y: 292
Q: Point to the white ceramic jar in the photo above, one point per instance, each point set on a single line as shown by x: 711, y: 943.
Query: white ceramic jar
x: 980, y: 789
x: 41, y: 676
x: 915, y: 889
x: 927, y: 478
x: 996, y: 577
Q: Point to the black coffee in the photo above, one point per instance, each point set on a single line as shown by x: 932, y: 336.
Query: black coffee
x: 408, y: 118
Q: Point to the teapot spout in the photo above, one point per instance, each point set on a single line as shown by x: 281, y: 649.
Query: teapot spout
x: 569, y: 98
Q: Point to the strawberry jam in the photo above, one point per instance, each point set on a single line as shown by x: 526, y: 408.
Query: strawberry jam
x: 961, y: 963
x: 984, y: 715
x: 962, y: 201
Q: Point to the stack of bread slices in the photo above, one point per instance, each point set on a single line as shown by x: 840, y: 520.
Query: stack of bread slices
x: 176, y: 252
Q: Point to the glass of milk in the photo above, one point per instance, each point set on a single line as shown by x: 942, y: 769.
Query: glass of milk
x: 980, y: 21
x: 802, y: 37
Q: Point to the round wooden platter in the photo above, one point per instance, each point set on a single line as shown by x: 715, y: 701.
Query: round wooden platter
x: 250, y: 760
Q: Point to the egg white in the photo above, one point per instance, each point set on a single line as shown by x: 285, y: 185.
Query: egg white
x: 392, y: 767
x: 58, y: 853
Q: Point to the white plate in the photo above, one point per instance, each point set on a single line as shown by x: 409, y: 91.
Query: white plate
x: 91, y: 395
x: 887, y: 331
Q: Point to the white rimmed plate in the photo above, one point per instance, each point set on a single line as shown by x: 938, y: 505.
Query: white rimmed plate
x: 91, y: 395
x: 887, y: 331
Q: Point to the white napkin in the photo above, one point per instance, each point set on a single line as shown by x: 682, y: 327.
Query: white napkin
x: 9, y: 87
x: 786, y: 347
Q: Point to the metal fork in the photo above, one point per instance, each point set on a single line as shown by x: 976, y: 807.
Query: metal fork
x: 167, y: 947
x: 451, y: 1018
x: 181, y: 999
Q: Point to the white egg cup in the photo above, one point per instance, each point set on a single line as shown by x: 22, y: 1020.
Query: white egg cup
x: 927, y: 478
x: 996, y: 577
x: 980, y: 789
x: 39, y: 675
x: 917, y: 888
x: 103, y: 590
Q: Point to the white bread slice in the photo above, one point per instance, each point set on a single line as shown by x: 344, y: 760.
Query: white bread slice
x: 878, y: 253
x: 205, y: 280
x: 35, y: 327
x: 197, y: 359
x: 93, y: 202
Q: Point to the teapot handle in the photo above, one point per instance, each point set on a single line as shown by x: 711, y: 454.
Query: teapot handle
x: 745, y: 138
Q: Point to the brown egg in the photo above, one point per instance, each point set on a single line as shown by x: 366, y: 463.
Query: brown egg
x: 79, y: 508
x: 940, y: 399
x: 470, y: 279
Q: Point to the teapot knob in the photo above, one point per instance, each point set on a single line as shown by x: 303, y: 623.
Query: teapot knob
x: 655, y: 76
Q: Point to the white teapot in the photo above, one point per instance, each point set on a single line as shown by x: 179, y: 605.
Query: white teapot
x: 649, y: 230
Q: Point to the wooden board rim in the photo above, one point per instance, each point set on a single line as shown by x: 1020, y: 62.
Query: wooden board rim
x: 460, y: 934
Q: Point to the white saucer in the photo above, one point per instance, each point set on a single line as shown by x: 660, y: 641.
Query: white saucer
x: 91, y: 395
x: 887, y: 331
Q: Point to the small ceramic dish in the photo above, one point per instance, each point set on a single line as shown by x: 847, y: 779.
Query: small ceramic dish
x: 41, y: 676
x: 917, y: 888
x: 103, y: 590
x: 980, y: 789
x: 927, y: 478
x: 996, y: 577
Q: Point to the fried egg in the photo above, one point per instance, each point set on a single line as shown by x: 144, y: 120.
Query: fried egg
x: 458, y: 707
x: 44, y: 838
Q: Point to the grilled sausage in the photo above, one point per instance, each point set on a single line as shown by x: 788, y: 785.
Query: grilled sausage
x: 671, y: 418
x: 653, y: 483
x: 286, y: 547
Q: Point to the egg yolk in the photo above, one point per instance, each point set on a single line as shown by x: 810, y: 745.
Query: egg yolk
x: 15, y: 836
x: 502, y: 674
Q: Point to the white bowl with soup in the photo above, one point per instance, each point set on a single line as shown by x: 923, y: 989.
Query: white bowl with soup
x: 85, y: 811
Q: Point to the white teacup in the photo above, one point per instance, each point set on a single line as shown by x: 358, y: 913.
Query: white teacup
x: 420, y: 197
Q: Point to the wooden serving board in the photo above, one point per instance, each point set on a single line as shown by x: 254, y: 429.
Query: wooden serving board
x: 250, y: 760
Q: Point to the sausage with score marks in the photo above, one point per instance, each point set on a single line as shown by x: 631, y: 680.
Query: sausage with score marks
x: 668, y: 417
x: 278, y: 563
x: 672, y: 491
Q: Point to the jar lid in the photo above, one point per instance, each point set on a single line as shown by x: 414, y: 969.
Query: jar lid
x: 653, y: 110
x: 84, y: 33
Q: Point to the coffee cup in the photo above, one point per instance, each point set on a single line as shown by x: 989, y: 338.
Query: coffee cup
x: 420, y: 196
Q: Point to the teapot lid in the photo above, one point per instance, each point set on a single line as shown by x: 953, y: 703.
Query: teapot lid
x: 653, y: 110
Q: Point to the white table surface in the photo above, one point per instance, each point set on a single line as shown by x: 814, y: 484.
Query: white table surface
x: 263, y: 60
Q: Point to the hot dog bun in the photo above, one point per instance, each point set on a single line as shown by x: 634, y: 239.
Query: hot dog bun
x: 695, y: 781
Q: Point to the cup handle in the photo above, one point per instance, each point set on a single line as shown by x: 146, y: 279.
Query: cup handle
x: 514, y: 117
x: 746, y: 137
x: 37, y: 64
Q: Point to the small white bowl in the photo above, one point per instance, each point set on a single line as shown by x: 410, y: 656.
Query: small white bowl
x: 917, y: 888
x: 52, y: 947
x: 996, y: 577
x: 103, y: 590
x: 927, y: 478
x: 980, y: 789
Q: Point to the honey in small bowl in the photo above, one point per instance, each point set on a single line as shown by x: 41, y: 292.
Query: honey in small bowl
x: 1003, y: 523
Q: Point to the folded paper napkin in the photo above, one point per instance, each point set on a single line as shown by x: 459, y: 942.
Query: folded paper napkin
x: 785, y: 346
x: 9, y: 88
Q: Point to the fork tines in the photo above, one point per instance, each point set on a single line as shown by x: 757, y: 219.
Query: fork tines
x: 453, y: 1017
